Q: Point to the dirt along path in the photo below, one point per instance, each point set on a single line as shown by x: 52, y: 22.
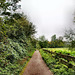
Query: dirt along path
x: 37, y: 66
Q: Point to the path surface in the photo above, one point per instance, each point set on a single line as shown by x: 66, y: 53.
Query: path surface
x: 37, y: 66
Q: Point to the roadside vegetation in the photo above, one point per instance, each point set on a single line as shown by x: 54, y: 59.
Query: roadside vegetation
x: 17, y: 44
x: 56, y: 65
x: 64, y: 51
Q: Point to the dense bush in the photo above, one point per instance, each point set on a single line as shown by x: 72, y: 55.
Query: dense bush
x: 15, y: 37
x: 10, y: 53
x: 55, y: 66
x: 15, y: 43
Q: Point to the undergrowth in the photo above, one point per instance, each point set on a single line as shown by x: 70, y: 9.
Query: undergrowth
x: 55, y: 66
x: 25, y: 64
x: 11, y: 53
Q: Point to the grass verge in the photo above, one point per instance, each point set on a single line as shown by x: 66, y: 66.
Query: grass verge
x: 26, y: 62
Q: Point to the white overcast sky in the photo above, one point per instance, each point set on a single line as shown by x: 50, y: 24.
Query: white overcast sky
x: 50, y: 16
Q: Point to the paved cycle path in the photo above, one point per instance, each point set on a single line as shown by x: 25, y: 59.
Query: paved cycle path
x: 37, y: 66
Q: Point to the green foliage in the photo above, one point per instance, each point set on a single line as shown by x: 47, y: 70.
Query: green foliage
x: 33, y: 41
x: 15, y: 37
x: 15, y: 27
x: 55, y: 66
x: 9, y: 57
x: 65, y: 51
x: 11, y: 52
x: 15, y: 42
x: 37, y: 46
x: 9, y: 6
x: 53, y: 38
x: 18, y: 26
x: 70, y: 36
x: 43, y: 42
x: 54, y: 43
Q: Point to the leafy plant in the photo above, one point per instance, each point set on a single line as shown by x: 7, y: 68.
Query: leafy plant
x: 55, y: 66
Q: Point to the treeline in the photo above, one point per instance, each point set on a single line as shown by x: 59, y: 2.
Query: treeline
x: 54, y: 43
x: 16, y: 37
x: 58, y: 42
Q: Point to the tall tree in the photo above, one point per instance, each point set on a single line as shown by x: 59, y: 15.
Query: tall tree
x: 42, y: 38
x: 70, y: 36
x: 43, y: 42
x: 19, y: 25
x: 53, y: 38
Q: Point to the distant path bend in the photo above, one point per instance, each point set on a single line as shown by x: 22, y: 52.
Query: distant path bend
x: 37, y: 66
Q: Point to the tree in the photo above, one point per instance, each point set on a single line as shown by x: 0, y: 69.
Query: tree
x: 8, y: 7
x: 42, y: 38
x: 18, y: 26
x: 53, y: 38
x: 60, y: 38
x: 70, y: 36
x: 43, y: 42
x: 56, y: 43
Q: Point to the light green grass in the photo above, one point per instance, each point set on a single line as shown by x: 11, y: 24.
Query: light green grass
x: 61, y: 50
x: 55, y: 65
